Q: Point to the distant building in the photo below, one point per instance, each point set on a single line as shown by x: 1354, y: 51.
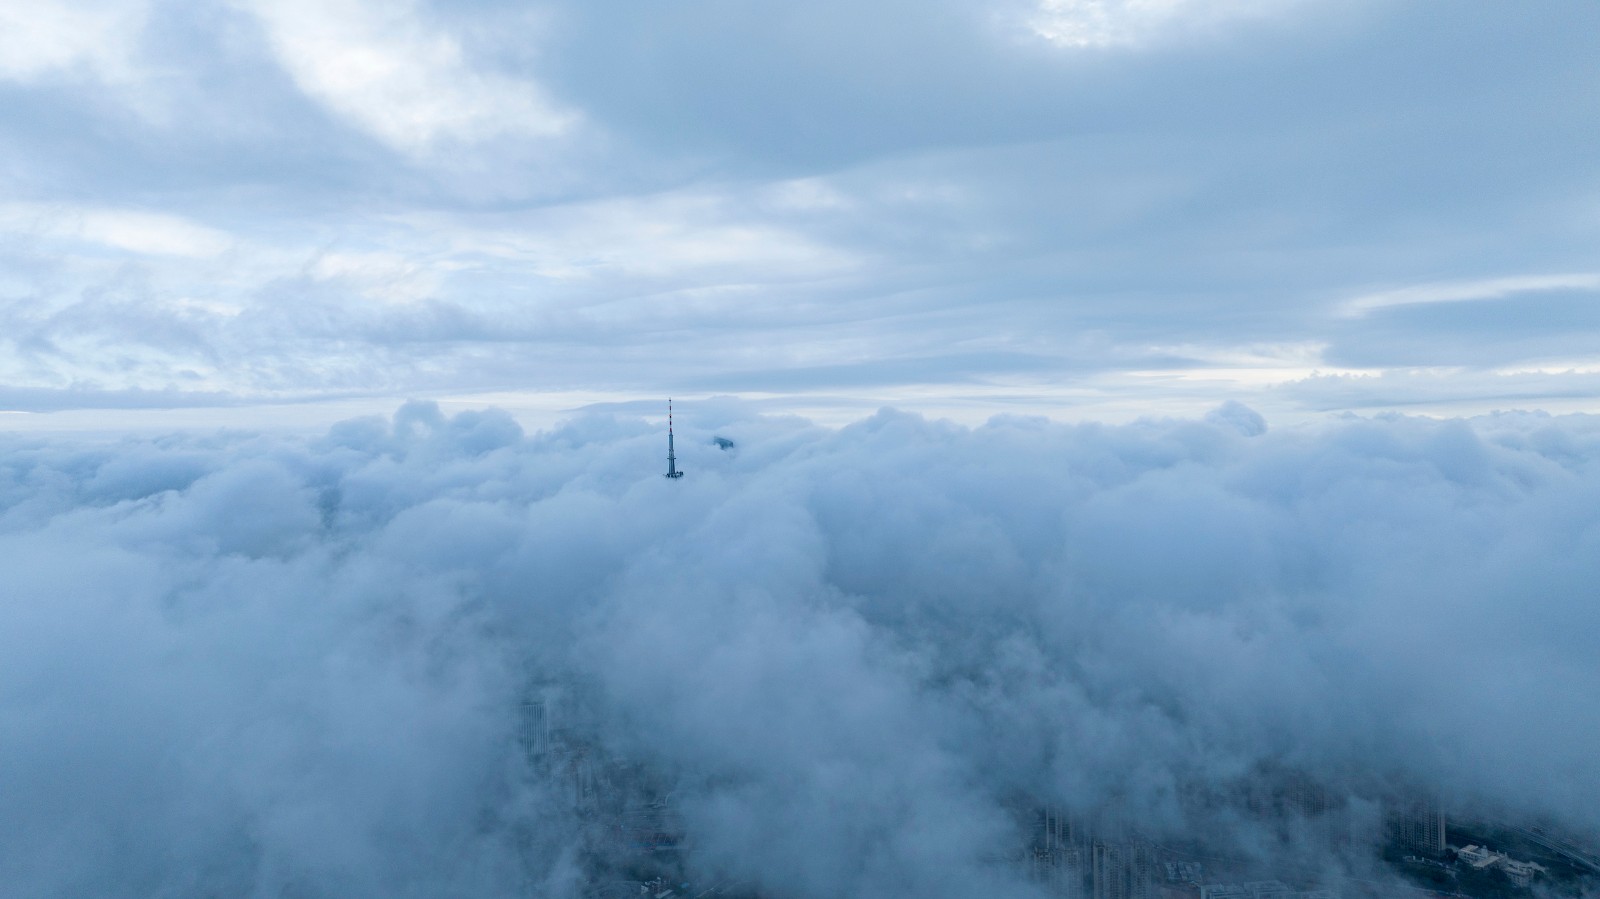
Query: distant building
x: 1295, y: 807
x: 1058, y: 855
x: 1521, y: 873
x: 1184, y: 872
x: 1268, y: 889
x: 1418, y: 824
x: 1144, y: 865
x: 533, y: 733
x: 1100, y: 861
x: 1261, y: 889
x: 1062, y: 872
x: 1482, y: 858
x: 1110, y: 872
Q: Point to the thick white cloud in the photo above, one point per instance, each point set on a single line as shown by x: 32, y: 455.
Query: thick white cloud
x: 57, y: 38
x: 1130, y: 23
x: 404, y: 80
x: 250, y: 664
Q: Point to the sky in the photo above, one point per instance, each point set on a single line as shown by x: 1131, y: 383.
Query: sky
x: 289, y: 212
x: 1104, y: 406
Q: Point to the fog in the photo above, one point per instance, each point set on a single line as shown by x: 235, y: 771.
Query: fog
x: 248, y: 664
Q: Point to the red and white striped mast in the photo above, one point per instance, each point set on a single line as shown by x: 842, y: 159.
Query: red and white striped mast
x: 672, y: 458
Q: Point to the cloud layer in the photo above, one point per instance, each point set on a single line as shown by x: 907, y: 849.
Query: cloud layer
x: 1089, y: 200
x: 255, y: 665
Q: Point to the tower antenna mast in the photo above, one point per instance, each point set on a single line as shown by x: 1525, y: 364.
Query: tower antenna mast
x: 672, y: 458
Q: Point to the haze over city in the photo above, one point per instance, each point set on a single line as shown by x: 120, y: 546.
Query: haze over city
x: 1119, y: 449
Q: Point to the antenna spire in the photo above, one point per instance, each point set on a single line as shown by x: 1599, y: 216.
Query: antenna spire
x: 672, y: 458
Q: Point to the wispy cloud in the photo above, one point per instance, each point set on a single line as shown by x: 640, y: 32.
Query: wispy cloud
x: 1467, y: 291
x: 286, y: 198
x: 1131, y: 23
x: 138, y: 231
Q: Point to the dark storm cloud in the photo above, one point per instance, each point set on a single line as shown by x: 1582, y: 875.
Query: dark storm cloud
x: 250, y: 664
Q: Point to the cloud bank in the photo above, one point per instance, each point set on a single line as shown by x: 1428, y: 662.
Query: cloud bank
x: 256, y: 665
x: 1085, y: 200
